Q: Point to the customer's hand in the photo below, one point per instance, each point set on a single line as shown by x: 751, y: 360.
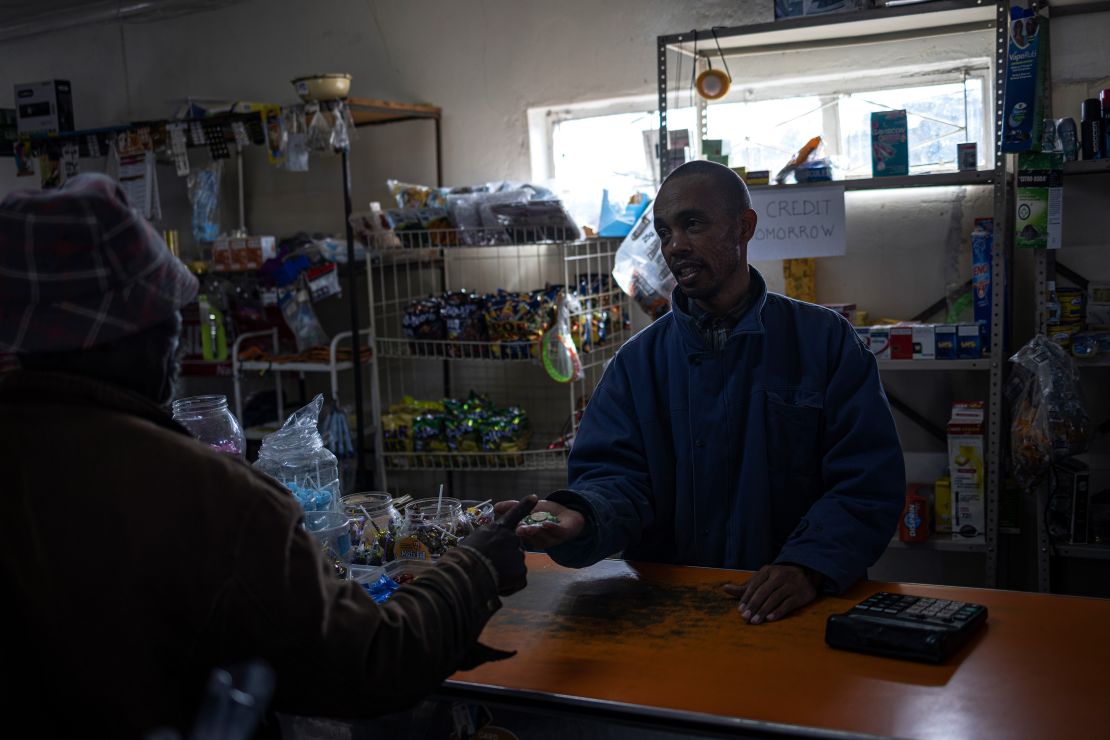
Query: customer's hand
x: 500, y: 544
x: 775, y: 591
x: 548, y: 534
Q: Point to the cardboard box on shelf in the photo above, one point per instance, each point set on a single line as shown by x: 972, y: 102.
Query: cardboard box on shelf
x: 946, y: 342
x: 890, y: 150
x: 969, y: 341
x: 44, y: 107
x: 880, y: 342
x: 924, y: 342
x: 901, y: 342
x: 966, y: 462
x: 942, y: 505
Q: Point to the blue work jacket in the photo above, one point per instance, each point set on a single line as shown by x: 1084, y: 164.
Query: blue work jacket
x: 780, y: 447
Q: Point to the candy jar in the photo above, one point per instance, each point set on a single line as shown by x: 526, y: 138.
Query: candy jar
x: 295, y: 456
x: 332, y: 530
x: 210, y: 421
x: 475, y: 514
x: 374, y: 523
x: 430, y: 527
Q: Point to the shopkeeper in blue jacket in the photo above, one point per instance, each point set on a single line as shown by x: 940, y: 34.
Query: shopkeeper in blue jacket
x: 743, y: 429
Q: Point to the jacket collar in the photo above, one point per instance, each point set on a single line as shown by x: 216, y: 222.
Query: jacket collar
x: 26, y: 387
x: 750, y: 323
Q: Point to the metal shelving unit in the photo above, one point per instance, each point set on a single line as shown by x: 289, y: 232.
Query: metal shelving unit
x: 891, y: 24
x: 416, y: 265
x: 277, y: 368
x: 1044, y: 267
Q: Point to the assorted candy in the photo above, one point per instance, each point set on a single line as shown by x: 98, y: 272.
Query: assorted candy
x: 511, y: 325
x: 431, y: 527
x: 471, y: 425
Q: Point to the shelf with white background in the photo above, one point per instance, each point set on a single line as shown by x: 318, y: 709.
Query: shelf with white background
x: 934, y: 180
x: 945, y: 542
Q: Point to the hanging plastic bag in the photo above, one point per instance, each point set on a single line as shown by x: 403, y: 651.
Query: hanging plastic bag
x: 204, y: 195
x: 617, y: 220
x: 341, y: 128
x: 640, y: 269
x: 296, y: 306
x: 296, y: 457
x: 296, y: 143
x: 1049, y: 419
x: 319, y: 130
x: 560, y: 357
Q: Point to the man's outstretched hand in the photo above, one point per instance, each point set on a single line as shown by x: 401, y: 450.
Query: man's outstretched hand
x: 548, y: 534
x: 775, y: 591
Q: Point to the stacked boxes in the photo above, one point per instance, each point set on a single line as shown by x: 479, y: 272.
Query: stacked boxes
x: 927, y: 341
x: 236, y: 254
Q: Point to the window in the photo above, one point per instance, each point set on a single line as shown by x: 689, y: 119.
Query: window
x: 583, y: 149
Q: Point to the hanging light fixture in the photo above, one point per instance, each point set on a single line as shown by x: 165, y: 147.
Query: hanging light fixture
x: 713, y: 84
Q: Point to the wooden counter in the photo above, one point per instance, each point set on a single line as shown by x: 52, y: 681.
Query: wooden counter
x: 665, y: 642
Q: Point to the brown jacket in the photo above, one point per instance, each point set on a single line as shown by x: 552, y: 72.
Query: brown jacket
x: 135, y: 560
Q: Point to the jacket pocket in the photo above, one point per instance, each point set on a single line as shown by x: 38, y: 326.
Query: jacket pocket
x: 793, y: 436
x: 793, y: 461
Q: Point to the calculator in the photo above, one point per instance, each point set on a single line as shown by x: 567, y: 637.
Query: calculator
x: 907, y: 627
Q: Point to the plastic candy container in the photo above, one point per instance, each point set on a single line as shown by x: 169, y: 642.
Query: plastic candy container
x: 374, y: 522
x: 332, y: 530
x: 210, y: 421
x: 475, y: 514
x: 431, y: 527
x: 295, y: 456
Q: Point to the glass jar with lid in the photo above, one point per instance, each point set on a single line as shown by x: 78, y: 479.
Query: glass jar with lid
x: 374, y: 524
x: 431, y: 526
x: 210, y: 421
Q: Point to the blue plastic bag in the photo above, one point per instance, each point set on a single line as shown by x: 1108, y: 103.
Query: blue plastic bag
x: 617, y: 220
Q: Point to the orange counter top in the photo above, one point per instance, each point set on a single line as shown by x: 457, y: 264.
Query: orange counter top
x: 630, y: 636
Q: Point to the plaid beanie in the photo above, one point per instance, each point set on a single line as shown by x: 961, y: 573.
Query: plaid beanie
x: 79, y: 267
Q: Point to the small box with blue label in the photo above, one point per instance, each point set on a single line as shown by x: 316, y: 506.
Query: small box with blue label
x: 946, y: 342
x: 969, y: 341
x: 890, y: 149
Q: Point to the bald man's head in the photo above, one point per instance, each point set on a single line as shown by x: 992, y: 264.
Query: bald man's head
x: 728, y: 184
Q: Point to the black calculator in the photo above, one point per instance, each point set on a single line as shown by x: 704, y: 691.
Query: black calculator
x: 908, y: 627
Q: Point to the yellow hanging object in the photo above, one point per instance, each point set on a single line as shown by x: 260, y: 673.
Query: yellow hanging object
x: 800, y: 278
x: 712, y: 84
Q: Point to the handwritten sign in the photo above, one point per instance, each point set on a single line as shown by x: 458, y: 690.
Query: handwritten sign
x: 798, y: 222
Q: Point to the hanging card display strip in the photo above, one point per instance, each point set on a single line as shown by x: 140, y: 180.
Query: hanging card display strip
x: 196, y: 133
x: 217, y: 142
x: 71, y: 154
x: 239, y: 129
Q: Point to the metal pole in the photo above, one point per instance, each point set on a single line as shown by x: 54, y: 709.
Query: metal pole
x: 663, y: 145
x: 356, y: 337
x: 439, y: 155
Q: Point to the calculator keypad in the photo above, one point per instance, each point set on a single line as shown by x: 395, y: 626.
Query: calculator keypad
x: 917, y: 608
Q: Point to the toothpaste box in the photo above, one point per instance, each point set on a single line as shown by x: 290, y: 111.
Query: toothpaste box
x: 966, y: 430
x: 924, y: 342
x: 945, y: 341
x: 880, y: 342
x: 890, y: 151
x: 864, y: 334
x: 901, y: 342
x: 969, y: 342
x: 981, y: 240
x: 1027, y: 74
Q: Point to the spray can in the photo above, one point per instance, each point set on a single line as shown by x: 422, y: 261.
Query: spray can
x: 914, y: 523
